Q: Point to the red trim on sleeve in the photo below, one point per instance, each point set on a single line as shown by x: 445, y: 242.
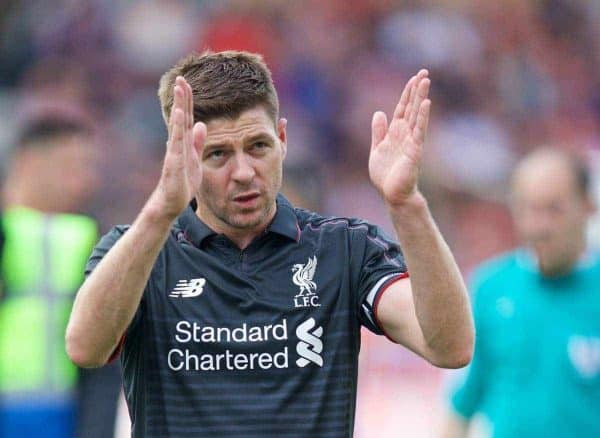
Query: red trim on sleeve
x: 117, y: 350
x: 384, y: 287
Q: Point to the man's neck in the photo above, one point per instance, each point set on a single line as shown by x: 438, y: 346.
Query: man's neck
x: 242, y: 241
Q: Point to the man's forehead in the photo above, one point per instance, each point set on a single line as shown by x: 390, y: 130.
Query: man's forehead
x: 544, y: 174
x: 252, y: 122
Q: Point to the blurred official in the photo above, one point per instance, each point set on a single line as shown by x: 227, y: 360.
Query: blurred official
x: 536, y: 369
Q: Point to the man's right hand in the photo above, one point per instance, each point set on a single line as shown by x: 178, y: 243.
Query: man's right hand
x: 107, y: 301
x: 182, y: 168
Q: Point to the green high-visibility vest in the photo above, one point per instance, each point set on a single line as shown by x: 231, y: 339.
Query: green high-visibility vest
x: 42, y: 266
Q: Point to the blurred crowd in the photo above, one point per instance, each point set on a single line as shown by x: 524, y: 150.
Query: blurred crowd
x: 507, y: 76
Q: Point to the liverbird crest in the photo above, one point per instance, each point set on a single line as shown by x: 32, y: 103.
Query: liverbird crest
x: 303, y: 276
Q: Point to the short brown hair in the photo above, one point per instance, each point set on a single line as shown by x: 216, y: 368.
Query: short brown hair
x: 224, y: 84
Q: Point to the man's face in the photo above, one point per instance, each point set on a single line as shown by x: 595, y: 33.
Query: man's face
x: 550, y: 213
x: 242, y: 163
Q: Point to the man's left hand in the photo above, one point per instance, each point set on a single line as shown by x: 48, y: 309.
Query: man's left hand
x: 397, y: 149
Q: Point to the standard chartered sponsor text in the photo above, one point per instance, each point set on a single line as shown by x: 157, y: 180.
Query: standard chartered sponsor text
x: 190, y: 356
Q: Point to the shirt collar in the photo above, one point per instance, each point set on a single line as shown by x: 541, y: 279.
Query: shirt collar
x: 194, y: 230
x: 284, y: 223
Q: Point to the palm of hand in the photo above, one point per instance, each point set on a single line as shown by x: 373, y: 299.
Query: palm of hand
x: 396, y: 150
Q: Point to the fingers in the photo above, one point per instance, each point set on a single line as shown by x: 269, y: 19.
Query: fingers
x: 404, y: 99
x: 406, y: 106
x: 189, y: 121
x: 190, y: 106
x: 181, y: 82
x: 175, y: 145
x: 182, y: 116
x: 199, y: 136
x: 177, y: 121
x: 421, y: 91
x: 422, y: 121
x: 174, y: 106
x: 186, y: 102
x: 379, y: 127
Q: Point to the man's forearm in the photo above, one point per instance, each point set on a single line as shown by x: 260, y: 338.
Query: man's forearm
x: 107, y: 301
x: 440, y: 296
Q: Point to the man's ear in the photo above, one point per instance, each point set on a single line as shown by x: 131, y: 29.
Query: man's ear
x: 282, y: 134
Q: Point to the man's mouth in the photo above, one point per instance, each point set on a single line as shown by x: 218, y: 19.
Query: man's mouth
x: 246, y: 199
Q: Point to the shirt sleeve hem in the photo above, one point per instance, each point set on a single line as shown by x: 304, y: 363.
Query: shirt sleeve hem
x: 382, y: 289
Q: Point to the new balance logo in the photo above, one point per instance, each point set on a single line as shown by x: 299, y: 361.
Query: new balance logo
x: 188, y: 289
x: 310, y: 344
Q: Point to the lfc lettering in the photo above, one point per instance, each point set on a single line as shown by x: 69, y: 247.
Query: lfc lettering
x: 306, y: 300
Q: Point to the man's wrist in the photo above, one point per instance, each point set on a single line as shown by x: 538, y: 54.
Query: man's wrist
x: 155, y: 216
x: 158, y: 212
x: 411, y: 218
x: 411, y: 206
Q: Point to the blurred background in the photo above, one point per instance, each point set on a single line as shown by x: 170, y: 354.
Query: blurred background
x: 507, y: 76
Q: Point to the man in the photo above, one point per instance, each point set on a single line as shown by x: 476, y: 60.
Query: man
x: 536, y: 369
x: 242, y: 318
x: 2, y: 238
x: 46, y: 247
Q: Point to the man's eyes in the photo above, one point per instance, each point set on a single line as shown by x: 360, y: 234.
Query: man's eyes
x: 218, y: 154
x: 215, y: 154
x: 260, y: 145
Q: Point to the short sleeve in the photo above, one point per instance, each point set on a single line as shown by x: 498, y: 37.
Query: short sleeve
x: 380, y: 264
x: 100, y: 250
x: 468, y: 390
x: 104, y: 245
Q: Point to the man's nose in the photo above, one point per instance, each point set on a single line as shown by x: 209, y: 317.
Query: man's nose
x: 243, y: 171
x: 539, y: 225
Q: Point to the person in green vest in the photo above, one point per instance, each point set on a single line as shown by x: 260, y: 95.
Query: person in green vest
x: 1, y: 247
x: 536, y: 367
x: 47, y: 243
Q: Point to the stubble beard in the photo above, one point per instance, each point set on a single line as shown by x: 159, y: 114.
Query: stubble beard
x: 238, y: 219
x: 229, y: 216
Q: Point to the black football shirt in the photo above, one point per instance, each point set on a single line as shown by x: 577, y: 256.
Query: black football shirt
x: 262, y: 342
